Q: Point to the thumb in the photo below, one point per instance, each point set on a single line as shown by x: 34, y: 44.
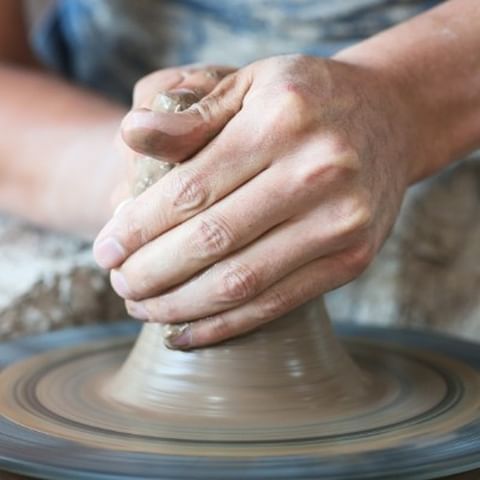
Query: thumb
x: 176, y: 136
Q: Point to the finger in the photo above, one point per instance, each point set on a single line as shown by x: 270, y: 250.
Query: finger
x: 185, y: 85
x: 177, y: 136
x: 262, y: 203
x: 248, y: 272
x: 184, y: 192
x: 203, y: 80
x: 214, y: 173
x: 189, y: 83
x: 199, y: 78
x: 158, y: 81
x: 297, y: 288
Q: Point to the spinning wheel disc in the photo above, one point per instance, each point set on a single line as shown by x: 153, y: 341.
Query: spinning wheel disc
x: 57, y: 421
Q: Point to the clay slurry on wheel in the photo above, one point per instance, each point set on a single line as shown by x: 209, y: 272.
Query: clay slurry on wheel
x: 59, y: 393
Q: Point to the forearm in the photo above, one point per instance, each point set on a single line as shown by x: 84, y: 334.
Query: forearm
x: 434, y: 61
x: 57, y: 162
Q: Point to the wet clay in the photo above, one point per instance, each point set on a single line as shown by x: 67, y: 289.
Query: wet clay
x: 283, y: 390
x: 149, y: 170
x: 296, y: 362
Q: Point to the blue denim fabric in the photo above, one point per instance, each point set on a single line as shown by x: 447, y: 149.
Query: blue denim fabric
x: 109, y: 44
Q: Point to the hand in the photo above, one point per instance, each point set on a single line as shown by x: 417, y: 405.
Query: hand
x: 293, y: 197
x: 193, y: 80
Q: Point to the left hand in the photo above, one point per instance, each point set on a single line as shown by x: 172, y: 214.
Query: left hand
x: 292, y: 198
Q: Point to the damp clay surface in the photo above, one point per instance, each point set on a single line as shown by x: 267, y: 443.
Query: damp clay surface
x: 290, y: 388
x: 404, y: 405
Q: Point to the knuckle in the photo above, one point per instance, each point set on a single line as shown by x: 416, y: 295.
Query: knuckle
x: 329, y: 164
x: 293, y: 94
x: 355, y: 214
x: 359, y: 215
x: 293, y: 112
x: 362, y: 217
x: 187, y: 191
x: 344, y: 160
x: 211, y: 238
x: 311, y: 174
x: 237, y: 283
x: 273, y: 305
x: 140, y: 282
x: 290, y: 109
x: 358, y: 258
x: 207, y: 108
x: 340, y: 147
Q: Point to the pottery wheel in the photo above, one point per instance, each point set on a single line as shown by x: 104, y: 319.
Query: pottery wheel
x: 67, y: 410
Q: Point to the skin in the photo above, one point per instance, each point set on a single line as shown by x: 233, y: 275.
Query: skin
x: 302, y: 182
x: 250, y: 256
x: 51, y: 143
x: 54, y: 135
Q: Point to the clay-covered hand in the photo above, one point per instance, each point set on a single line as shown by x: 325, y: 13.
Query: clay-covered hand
x: 293, y: 172
x: 188, y: 82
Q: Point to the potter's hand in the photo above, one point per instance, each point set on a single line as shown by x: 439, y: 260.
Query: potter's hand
x: 190, y: 81
x: 292, y: 198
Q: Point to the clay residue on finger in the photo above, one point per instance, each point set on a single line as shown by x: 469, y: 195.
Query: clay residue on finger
x: 174, y: 101
x: 149, y: 170
x: 176, y: 337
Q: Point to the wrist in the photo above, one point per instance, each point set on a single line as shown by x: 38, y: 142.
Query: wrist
x: 431, y: 64
x: 391, y: 83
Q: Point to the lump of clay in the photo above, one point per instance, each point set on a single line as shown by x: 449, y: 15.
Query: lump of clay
x: 149, y: 170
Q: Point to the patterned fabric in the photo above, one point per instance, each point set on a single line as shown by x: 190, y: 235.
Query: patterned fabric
x: 109, y: 44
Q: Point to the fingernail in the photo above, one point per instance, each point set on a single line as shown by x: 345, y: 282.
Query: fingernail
x: 108, y: 252
x: 119, y: 283
x: 137, y: 310
x: 178, y: 336
x: 149, y: 120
